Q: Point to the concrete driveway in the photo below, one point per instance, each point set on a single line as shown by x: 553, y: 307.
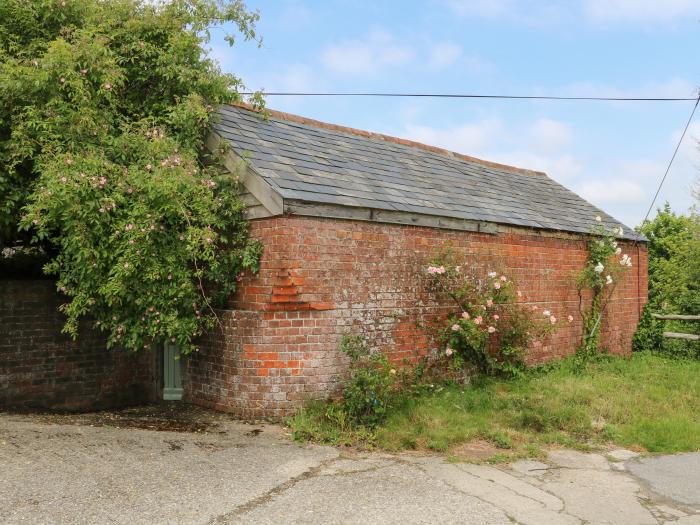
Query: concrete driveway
x: 83, y: 469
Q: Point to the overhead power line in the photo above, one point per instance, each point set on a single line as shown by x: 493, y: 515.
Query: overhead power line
x: 475, y: 96
x: 519, y: 97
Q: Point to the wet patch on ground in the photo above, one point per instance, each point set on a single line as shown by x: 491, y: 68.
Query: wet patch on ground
x: 161, y: 417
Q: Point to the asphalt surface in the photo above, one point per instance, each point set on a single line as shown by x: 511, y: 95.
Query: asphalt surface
x: 82, y: 470
x: 675, y: 477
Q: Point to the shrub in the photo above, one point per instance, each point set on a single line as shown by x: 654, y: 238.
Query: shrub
x: 674, y: 282
x: 648, y: 335
x: 493, y: 328
x: 371, y: 384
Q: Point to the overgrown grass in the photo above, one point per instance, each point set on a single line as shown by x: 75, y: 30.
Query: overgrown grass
x: 646, y: 402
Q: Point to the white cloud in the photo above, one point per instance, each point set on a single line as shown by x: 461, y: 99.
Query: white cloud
x: 562, y: 167
x: 674, y: 87
x: 640, y: 10
x: 469, y: 139
x: 444, y: 54
x: 689, y: 148
x: 596, y: 11
x: 536, y: 14
x: 549, y: 135
x: 686, y: 169
x: 369, y: 55
x: 481, y: 8
x: 619, y: 191
x: 297, y: 77
x: 489, y: 139
x: 623, y: 187
x: 288, y: 77
x: 294, y: 16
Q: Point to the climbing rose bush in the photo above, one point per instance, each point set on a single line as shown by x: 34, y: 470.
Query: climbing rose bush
x: 605, y: 265
x: 492, y: 328
x: 104, y: 109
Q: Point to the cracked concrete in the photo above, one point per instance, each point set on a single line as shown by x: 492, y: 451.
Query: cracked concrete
x: 76, y: 473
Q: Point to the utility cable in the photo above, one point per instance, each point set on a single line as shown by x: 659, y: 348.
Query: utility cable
x: 473, y: 96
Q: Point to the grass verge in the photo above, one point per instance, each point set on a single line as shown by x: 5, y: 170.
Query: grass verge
x: 646, y: 402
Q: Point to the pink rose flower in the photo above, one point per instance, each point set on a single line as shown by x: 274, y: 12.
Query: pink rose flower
x: 478, y: 320
x: 553, y: 319
x: 465, y: 315
x: 497, y: 285
x: 504, y: 278
x: 489, y: 302
x: 448, y: 351
x: 455, y: 327
x: 491, y: 329
x: 496, y: 317
x: 570, y: 318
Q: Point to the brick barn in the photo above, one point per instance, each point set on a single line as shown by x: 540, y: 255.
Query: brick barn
x: 348, y: 219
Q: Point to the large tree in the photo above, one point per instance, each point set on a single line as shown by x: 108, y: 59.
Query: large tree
x: 104, y: 107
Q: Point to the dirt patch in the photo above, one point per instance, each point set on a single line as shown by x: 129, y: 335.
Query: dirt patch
x: 163, y: 417
x: 477, y: 450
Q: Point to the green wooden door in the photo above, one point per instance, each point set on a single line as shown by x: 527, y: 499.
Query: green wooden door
x: 172, y: 379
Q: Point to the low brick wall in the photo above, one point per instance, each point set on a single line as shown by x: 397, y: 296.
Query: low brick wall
x: 41, y: 368
x: 321, y: 278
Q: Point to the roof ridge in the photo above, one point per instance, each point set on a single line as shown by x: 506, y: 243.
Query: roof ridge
x: 386, y: 138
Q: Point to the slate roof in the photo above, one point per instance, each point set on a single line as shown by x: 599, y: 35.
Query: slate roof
x: 306, y: 162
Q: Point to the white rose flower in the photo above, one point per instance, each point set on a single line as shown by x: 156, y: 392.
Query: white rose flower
x: 599, y: 268
x: 546, y: 313
x: 608, y: 279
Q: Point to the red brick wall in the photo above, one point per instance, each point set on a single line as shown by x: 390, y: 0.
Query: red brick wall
x: 41, y: 368
x: 321, y: 278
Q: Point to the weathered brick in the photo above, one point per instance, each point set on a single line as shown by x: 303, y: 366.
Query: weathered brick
x: 41, y: 368
x: 360, y: 277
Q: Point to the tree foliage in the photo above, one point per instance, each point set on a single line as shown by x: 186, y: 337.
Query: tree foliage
x: 674, y: 279
x: 104, y: 107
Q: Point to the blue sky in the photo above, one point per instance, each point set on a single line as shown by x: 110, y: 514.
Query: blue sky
x: 613, y: 154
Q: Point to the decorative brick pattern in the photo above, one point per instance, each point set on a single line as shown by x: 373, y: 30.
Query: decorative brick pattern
x: 321, y: 278
x: 41, y: 368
